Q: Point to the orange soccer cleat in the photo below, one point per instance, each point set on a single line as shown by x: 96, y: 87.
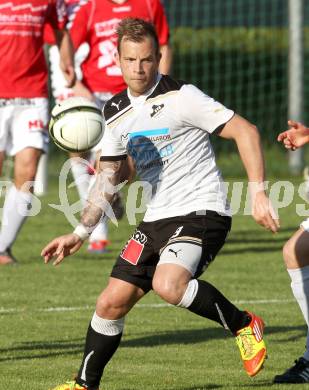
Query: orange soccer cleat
x: 251, y: 345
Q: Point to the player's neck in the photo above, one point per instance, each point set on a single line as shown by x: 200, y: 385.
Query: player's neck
x: 149, y: 90
x: 140, y: 98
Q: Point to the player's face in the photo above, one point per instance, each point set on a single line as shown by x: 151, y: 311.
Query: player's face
x: 139, y: 64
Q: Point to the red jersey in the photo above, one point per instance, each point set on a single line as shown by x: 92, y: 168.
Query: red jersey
x: 22, y: 67
x: 95, y: 22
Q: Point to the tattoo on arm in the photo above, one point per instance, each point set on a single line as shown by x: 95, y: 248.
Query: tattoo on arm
x: 102, y: 193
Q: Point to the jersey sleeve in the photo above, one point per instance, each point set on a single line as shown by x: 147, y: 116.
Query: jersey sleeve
x: 112, y: 148
x: 160, y: 22
x: 78, y: 26
x: 201, y: 111
x: 56, y: 15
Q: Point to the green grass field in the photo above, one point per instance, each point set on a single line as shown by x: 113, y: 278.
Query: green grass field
x: 45, y: 311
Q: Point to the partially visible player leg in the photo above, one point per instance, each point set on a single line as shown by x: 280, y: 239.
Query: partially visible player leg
x: 296, y: 257
x: 174, y: 281
x: 41, y: 179
x: 17, y: 201
x: 98, y: 240
x: 80, y: 172
x: 104, y: 332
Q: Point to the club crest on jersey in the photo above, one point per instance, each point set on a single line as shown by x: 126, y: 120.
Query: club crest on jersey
x: 156, y: 109
x: 177, y: 232
x: 134, y: 247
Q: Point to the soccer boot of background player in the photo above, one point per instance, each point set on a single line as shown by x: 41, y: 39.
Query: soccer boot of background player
x: 251, y: 345
x: 299, y: 373
x: 98, y: 246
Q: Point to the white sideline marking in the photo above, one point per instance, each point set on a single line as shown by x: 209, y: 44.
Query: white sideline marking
x: 139, y: 305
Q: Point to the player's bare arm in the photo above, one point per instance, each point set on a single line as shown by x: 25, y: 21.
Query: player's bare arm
x: 81, y: 90
x: 166, y: 59
x: 66, y: 51
x: 249, y: 146
x: 98, y: 204
x: 102, y: 193
x: 296, y: 137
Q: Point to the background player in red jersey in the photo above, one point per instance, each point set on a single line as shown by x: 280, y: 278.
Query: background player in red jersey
x: 94, y: 22
x: 23, y: 100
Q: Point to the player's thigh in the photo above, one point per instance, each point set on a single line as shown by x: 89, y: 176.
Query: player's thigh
x: 296, y: 249
x: 25, y: 166
x: 117, y: 299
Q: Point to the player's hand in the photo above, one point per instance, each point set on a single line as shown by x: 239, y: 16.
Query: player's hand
x: 61, y: 247
x: 69, y: 74
x: 295, y: 137
x: 263, y: 212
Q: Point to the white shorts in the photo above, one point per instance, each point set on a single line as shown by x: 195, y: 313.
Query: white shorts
x: 23, y: 124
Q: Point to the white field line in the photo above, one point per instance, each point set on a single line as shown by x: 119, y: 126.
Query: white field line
x: 139, y: 305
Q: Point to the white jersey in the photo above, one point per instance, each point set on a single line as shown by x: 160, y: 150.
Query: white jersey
x: 166, y: 131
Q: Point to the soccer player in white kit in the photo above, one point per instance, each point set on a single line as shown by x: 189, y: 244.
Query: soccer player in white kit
x: 164, y: 125
x: 23, y: 101
x: 296, y: 258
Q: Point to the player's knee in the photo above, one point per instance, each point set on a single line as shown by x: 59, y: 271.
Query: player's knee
x: 110, y: 306
x: 169, y: 290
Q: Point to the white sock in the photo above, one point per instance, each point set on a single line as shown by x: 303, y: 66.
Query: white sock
x: 300, y: 288
x: 15, y: 210
x: 100, y: 232
x: 40, y: 182
x: 189, y: 294
x: 107, y: 327
x: 81, y: 177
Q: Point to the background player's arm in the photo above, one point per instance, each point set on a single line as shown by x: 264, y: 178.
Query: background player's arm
x: 81, y: 90
x: 66, y: 51
x: 296, y: 137
x: 249, y: 146
x: 98, y: 203
x: 166, y: 59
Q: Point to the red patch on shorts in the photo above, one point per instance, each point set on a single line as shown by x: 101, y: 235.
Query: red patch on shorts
x: 133, y: 251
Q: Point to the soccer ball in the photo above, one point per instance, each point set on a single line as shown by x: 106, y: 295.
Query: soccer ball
x: 76, y: 124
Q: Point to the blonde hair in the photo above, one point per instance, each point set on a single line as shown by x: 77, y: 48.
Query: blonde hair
x: 136, y: 30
